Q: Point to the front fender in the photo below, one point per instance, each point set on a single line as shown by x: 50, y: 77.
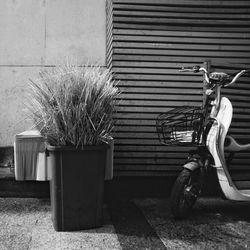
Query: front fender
x: 192, y: 165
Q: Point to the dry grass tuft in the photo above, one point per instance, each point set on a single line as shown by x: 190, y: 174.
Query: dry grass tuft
x: 73, y: 106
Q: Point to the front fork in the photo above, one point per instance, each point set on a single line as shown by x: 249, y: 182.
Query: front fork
x: 199, y: 160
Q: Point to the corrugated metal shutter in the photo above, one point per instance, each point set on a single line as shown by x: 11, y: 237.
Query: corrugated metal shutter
x: 147, y: 42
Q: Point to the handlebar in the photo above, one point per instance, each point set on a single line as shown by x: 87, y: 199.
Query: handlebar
x: 197, y: 69
x: 237, y: 76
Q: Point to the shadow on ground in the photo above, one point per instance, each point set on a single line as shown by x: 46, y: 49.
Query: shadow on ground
x: 213, y: 224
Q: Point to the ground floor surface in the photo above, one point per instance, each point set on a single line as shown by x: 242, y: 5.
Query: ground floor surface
x: 25, y: 223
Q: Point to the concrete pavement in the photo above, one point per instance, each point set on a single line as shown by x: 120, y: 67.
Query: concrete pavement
x: 25, y: 223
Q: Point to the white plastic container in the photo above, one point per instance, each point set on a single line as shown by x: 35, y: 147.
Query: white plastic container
x: 30, y: 158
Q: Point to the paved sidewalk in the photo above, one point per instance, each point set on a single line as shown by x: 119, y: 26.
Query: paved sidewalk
x: 25, y: 223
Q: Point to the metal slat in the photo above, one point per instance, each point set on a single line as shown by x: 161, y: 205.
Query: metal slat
x: 206, y: 3
x: 178, y: 58
x: 155, y: 21
x: 181, y: 8
x: 190, y: 27
x: 183, y: 33
x: 180, y: 40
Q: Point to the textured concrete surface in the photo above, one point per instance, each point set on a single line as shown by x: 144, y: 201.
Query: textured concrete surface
x: 214, y: 224
x: 22, y: 32
x: 43, y: 32
x: 13, y: 116
x: 40, y: 33
x: 26, y: 224
x: 133, y: 230
x: 75, y: 29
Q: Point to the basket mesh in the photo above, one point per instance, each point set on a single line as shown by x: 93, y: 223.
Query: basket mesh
x: 180, y: 126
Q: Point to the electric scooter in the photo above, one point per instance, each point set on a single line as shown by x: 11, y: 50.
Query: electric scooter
x: 204, y: 128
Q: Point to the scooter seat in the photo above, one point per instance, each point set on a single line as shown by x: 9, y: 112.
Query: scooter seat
x: 233, y: 146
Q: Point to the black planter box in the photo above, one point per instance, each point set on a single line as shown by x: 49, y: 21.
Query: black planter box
x: 77, y: 187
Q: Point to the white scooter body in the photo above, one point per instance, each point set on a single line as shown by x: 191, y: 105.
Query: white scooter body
x: 215, y: 144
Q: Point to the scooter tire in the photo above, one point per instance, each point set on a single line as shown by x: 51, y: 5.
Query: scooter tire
x: 180, y: 206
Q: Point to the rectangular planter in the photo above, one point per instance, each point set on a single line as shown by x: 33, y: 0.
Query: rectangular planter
x: 77, y: 186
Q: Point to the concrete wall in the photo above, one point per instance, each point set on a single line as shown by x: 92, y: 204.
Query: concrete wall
x: 39, y: 33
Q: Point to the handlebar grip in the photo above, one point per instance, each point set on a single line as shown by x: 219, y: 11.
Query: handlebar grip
x: 186, y: 69
x: 194, y: 69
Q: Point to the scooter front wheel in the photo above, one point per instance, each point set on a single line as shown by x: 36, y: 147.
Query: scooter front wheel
x: 185, y: 193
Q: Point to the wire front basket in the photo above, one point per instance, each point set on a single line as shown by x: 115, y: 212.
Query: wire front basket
x: 180, y: 126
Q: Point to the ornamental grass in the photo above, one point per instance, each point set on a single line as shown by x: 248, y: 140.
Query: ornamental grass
x: 73, y: 106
